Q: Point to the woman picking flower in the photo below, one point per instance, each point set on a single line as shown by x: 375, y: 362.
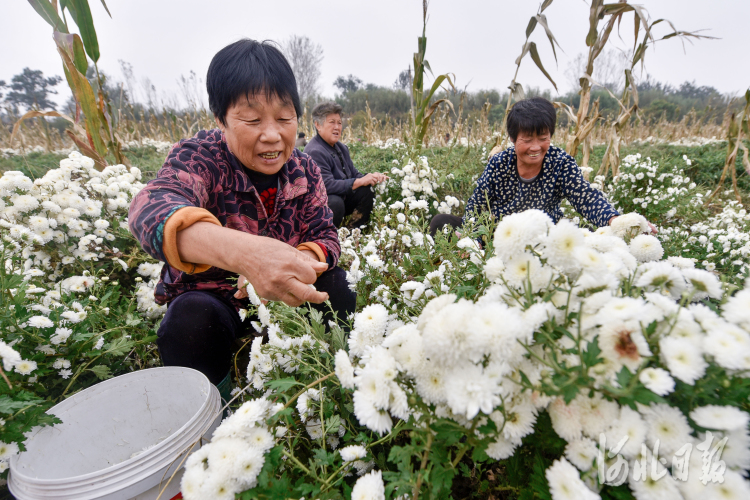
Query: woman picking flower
x: 532, y: 174
x: 238, y: 201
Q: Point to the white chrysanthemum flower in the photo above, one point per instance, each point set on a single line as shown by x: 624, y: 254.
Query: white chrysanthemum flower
x: 646, y: 248
x: 566, y: 419
x: 632, y: 223
x: 520, y: 421
x: 247, y: 467
x: 565, y: 482
x: 374, y: 418
x: 683, y: 359
x: 734, y: 487
x: 737, y: 308
x: 650, y: 488
x: 667, y: 426
x: 7, y: 450
x: 431, y: 384
x: 518, y: 230
x: 657, y: 381
x: 596, y: 414
x: 737, y: 449
x: 582, y: 453
x: 314, y: 429
x: 629, y: 425
x: 522, y: 267
x: 662, y: 276
x: 725, y: 418
x: 372, y: 321
x: 353, y: 452
x: 623, y: 344
x: 10, y: 356
x: 40, y: 322
x: 704, y: 283
x: 729, y: 345
x: 560, y: 245
x: 25, y: 367
x: 369, y: 487
x: 344, y: 370
x: 501, y: 448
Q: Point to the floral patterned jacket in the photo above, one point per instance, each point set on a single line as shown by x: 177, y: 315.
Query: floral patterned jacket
x: 502, y: 190
x: 203, y: 172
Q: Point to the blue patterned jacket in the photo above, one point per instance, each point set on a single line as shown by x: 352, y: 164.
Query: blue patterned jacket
x: 500, y: 188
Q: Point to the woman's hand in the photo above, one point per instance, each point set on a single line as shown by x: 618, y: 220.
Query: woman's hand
x: 277, y: 270
x: 242, y: 282
x: 369, y: 180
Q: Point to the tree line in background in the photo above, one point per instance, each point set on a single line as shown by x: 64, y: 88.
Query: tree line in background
x: 141, y: 101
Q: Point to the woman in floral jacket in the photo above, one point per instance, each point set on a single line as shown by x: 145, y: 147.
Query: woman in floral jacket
x: 238, y: 202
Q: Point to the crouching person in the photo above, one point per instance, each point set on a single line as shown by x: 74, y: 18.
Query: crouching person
x: 238, y: 203
x: 349, y: 191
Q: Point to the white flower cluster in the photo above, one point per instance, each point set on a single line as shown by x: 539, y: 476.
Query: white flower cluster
x: 231, y: 462
x: 445, y: 207
x: 478, y: 360
x: 640, y: 183
x: 683, y: 141
x: 53, y: 224
x: 9, y: 152
x: 281, y: 352
x: 391, y: 143
x: 160, y: 146
x: 144, y: 290
x: 417, y: 179
x: 723, y: 239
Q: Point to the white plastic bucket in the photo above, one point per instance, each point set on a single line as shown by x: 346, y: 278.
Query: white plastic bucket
x: 162, y: 414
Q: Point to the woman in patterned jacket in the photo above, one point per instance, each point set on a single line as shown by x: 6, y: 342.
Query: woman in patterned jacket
x: 532, y: 174
x: 238, y: 202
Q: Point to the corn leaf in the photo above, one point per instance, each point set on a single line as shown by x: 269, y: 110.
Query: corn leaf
x: 531, y: 26
x: 85, y: 23
x: 538, y: 61
x: 35, y: 114
x: 84, y: 95
x: 552, y: 41
x: 49, y: 14
x: 545, y: 4
x: 106, y: 8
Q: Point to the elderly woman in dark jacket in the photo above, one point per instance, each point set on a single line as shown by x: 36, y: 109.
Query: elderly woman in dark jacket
x: 238, y: 201
x: 349, y: 190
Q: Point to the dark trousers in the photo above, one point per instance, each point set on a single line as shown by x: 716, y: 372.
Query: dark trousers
x: 357, y: 203
x: 441, y: 220
x: 200, y: 328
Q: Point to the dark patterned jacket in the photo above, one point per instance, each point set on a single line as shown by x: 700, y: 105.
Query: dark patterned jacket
x: 202, y: 172
x: 502, y: 189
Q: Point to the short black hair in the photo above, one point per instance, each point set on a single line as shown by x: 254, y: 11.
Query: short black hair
x: 300, y: 135
x: 533, y: 116
x: 248, y: 67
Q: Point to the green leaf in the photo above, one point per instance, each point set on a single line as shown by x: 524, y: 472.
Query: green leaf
x: 82, y: 17
x: 10, y: 406
x: 119, y: 346
x: 102, y: 372
x: 133, y: 320
x: 282, y: 384
x: 333, y: 424
x: 591, y: 354
x: 48, y: 12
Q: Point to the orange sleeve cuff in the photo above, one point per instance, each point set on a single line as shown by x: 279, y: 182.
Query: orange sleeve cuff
x: 183, y: 218
x: 308, y: 245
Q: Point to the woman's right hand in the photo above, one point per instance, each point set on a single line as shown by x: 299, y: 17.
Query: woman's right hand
x: 277, y: 270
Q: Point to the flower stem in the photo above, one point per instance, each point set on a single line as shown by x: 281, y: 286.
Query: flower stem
x: 420, y: 477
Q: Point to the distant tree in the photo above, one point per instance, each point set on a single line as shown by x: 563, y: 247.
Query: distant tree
x: 348, y: 84
x: 304, y: 57
x: 31, y: 90
x: 2, y: 84
x: 403, y: 82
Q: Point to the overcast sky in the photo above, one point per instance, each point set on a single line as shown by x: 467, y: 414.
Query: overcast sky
x: 477, y: 40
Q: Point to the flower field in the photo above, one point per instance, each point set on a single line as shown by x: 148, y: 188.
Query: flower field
x: 551, y: 361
